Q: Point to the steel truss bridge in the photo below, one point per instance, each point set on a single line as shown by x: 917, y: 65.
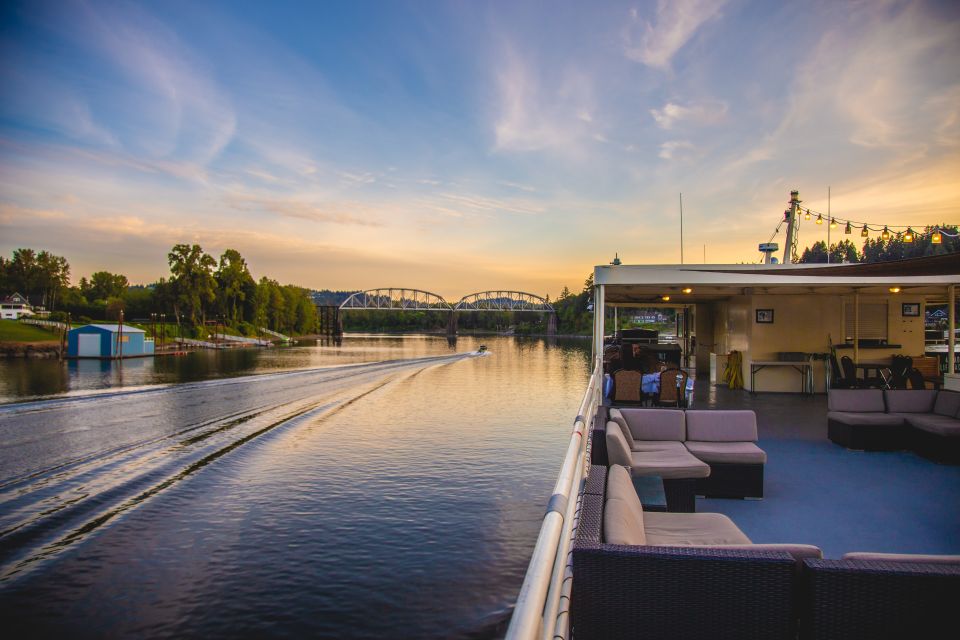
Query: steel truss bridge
x: 402, y: 299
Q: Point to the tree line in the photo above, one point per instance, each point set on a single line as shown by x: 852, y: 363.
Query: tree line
x: 200, y: 289
x: 880, y: 250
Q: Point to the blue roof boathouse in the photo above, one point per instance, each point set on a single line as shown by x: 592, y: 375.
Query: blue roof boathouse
x: 108, y: 341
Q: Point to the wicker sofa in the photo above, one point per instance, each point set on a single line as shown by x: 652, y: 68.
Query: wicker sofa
x: 697, y: 452
x: 696, y: 575
x: 926, y: 421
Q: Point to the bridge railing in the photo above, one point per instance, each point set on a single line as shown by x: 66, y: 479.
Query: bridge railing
x: 543, y: 606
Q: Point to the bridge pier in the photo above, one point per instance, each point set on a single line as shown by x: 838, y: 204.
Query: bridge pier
x: 329, y: 321
x: 551, y: 324
x: 452, y: 324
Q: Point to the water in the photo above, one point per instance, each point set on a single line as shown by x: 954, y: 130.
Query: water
x: 364, y: 500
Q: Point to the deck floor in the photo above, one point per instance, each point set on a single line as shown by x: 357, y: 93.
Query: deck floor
x: 817, y: 492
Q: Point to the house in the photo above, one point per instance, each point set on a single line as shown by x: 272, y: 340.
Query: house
x: 14, y: 306
x: 108, y: 341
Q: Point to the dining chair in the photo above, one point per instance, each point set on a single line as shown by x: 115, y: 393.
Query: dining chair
x: 849, y: 372
x: 673, y: 388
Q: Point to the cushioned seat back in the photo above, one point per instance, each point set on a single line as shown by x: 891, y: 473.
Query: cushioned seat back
x: 910, y: 400
x: 651, y: 424
x: 721, y: 426
x: 618, y: 449
x: 622, y: 511
x: 947, y: 404
x: 858, y: 400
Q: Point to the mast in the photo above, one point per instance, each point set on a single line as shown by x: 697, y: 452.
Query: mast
x: 791, y: 226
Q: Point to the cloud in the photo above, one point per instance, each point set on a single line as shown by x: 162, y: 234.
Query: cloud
x: 675, y: 149
x: 300, y: 209
x: 676, y: 22
x: 704, y: 113
x: 537, y: 114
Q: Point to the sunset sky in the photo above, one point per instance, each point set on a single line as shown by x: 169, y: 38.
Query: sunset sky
x: 464, y: 146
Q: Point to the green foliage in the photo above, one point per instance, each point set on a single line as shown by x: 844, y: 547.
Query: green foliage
x: 876, y: 249
x: 41, y: 276
x: 193, y: 283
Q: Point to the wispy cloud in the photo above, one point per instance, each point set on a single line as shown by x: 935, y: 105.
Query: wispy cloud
x: 698, y: 114
x: 674, y: 149
x: 655, y: 43
x: 303, y: 210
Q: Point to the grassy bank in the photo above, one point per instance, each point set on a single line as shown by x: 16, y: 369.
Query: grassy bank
x: 13, y: 331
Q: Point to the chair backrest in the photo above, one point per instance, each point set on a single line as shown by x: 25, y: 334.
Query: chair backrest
x: 915, y: 376
x: 849, y: 370
x: 626, y: 385
x: 900, y: 366
x: 673, y: 386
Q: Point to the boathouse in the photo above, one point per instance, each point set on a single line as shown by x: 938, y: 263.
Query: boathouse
x: 108, y: 341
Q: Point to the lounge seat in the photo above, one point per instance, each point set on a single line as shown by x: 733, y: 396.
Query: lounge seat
x: 725, y: 440
x: 857, y: 419
x: 645, y: 428
x: 678, y: 467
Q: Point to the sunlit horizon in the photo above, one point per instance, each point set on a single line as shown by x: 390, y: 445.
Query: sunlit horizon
x: 459, y: 147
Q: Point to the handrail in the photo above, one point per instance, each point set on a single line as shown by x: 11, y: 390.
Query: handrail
x: 538, y: 609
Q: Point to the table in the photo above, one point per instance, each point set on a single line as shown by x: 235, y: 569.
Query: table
x: 651, y: 493
x: 806, y: 384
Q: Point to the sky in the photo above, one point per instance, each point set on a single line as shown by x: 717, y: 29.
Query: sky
x: 464, y: 146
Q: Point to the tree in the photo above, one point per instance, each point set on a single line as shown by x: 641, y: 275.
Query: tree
x: 37, y: 275
x: 233, y: 280
x: 104, y: 285
x: 192, y: 281
x: 816, y: 253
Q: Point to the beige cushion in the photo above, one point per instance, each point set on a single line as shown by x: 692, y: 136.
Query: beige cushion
x: 901, y: 557
x: 622, y: 512
x: 853, y: 417
x: 692, y: 530
x: 931, y: 422
x: 618, y: 450
x: 651, y: 424
x: 858, y: 400
x: 728, y: 452
x: 721, y: 425
x: 667, y: 464
x: 658, y: 445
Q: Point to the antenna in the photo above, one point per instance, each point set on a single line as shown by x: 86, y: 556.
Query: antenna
x: 681, y: 227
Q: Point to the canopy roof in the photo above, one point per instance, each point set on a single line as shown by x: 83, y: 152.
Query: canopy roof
x: 646, y: 284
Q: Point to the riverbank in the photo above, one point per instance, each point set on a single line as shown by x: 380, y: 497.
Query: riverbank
x: 35, y: 349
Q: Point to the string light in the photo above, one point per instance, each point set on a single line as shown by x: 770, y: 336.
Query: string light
x: 849, y: 229
x: 687, y: 290
x: 908, y: 236
x: 807, y: 215
x: 886, y: 234
x: 833, y: 223
x: 863, y: 232
x: 819, y: 219
x: 936, y: 238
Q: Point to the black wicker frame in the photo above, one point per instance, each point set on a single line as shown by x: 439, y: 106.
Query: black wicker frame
x: 676, y: 592
x: 728, y: 480
x: 933, y: 446
x: 868, y: 437
x: 866, y: 599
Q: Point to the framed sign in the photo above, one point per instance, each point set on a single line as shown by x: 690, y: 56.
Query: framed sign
x: 765, y: 316
x: 911, y: 309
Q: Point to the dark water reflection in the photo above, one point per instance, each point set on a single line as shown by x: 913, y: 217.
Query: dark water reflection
x: 400, y: 503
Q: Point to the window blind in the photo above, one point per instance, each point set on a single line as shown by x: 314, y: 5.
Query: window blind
x: 873, y: 320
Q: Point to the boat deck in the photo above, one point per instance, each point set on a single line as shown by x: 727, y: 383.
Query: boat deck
x: 819, y: 493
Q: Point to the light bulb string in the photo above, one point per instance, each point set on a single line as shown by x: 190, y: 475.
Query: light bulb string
x: 869, y: 225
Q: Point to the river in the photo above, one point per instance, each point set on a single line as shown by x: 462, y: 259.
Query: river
x: 388, y: 487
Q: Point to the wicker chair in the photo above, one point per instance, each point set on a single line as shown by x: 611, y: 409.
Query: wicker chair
x: 673, y: 388
x: 626, y: 386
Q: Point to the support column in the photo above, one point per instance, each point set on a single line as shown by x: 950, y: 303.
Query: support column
x: 551, y: 324
x: 951, y: 337
x: 856, y: 327
x: 452, y: 324
x: 599, y: 311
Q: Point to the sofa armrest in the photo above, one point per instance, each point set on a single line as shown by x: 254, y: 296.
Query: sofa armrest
x: 682, y: 592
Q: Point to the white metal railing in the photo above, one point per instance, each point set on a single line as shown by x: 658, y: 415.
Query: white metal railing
x: 242, y: 339
x: 542, y: 609
x: 275, y: 334
x: 45, y: 323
